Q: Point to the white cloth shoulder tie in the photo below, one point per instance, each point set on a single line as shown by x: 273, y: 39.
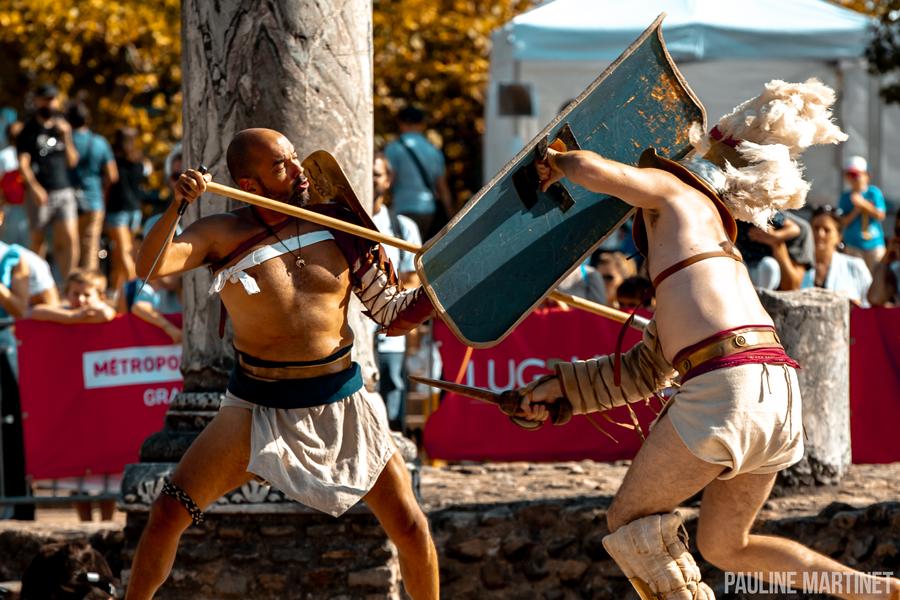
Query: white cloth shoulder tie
x: 237, y: 272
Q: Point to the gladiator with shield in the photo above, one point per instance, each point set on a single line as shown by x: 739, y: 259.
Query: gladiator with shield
x: 735, y: 419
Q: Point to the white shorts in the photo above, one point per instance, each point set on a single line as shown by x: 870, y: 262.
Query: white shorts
x: 747, y: 418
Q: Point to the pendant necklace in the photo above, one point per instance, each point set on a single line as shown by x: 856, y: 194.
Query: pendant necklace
x: 298, y: 259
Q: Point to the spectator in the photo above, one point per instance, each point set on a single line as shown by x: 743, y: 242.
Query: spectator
x: 85, y: 301
x: 14, y: 288
x: 885, y: 290
x: 68, y: 571
x: 419, y: 188
x: 12, y: 191
x: 635, y: 292
x: 173, y: 168
x: 13, y: 304
x: 46, y: 153
x: 123, y: 204
x: 392, y: 350
x: 614, y: 267
x: 151, y: 302
x: 585, y: 282
x: 95, y: 172
x: 777, y: 259
x: 863, y: 207
x: 835, y: 270
x: 41, y: 285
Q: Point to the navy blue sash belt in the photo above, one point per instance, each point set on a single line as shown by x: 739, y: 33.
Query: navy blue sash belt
x: 295, y: 393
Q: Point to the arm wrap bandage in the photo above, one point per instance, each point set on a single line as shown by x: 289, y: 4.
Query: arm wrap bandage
x: 375, y: 281
x: 588, y: 384
x: 653, y: 552
x: 395, y: 309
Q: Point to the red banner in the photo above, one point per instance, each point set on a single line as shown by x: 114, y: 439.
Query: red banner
x: 464, y: 429
x: 92, y: 393
x: 874, y: 384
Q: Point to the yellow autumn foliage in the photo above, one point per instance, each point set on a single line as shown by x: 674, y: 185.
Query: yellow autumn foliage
x: 122, y: 57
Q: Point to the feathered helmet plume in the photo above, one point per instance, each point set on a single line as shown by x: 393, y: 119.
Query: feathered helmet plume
x: 758, y: 143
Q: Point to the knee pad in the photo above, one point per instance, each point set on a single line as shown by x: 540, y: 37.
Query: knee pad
x: 177, y: 492
x: 653, y: 554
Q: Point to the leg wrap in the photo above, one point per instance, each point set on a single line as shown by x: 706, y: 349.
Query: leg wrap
x: 589, y: 386
x: 653, y: 554
x: 177, y: 492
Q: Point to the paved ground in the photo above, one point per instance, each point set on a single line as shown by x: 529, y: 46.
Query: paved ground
x: 513, y: 482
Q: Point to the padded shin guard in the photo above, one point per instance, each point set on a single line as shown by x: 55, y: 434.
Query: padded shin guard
x: 589, y: 386
x: 652, y: 552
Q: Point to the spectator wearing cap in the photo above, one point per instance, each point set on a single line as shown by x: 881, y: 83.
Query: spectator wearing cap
x: 833, y: 270
x: 420, y: 189
x: 95, y: 172
x: 885, y: 289
x: 863, y: 208
x: 46, y: 153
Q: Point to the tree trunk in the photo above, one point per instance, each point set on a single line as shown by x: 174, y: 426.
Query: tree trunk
x: 814, y: 326
x: 302, y: 67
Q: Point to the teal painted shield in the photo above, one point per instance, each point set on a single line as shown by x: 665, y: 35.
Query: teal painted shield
x: 511, y: 245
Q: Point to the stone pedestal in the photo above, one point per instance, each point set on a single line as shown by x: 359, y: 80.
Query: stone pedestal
x: 814, y: 326
x: 256, y: 543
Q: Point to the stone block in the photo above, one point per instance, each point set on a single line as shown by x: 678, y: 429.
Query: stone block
x: 845, y: 520
x: 378, y: 577
x: 232, y: 584
x: 322, y: 578
x: 470, y: 550
x: 536, y: 567
x: 496, y: 574
x: 571, y: 571
x: 516, y: 546
x: 273, y: 582
x: 329, y: 530
x: 278, y: 530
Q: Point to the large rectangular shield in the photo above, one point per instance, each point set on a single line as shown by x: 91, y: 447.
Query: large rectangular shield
x: 511, y: 244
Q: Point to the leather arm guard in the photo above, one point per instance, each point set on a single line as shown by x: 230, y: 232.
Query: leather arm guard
x: 653, y: 553
x: 373, y: 278
x: 395, y: 309
x: 589, y: 384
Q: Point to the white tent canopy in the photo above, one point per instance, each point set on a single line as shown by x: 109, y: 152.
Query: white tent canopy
x: 694, y: 29
x: 726, y: 49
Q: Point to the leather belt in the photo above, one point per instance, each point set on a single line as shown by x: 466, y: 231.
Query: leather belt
x: 296, y: 371
x: 740, y: 340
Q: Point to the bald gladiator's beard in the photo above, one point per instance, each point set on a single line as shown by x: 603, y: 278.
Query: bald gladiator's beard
x: 299, y: 197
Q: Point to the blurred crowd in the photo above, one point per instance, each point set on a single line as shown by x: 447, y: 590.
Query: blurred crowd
x: 75, y: 206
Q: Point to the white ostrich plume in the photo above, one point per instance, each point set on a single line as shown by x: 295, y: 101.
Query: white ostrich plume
x: 771, y: 181
x: 757, y: 146
x: 797, y: 115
